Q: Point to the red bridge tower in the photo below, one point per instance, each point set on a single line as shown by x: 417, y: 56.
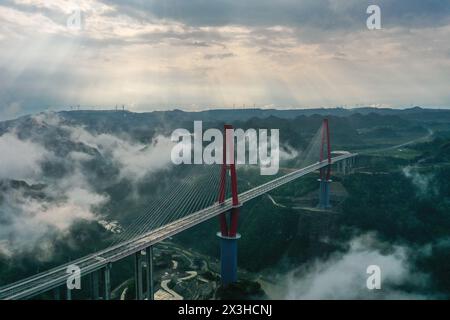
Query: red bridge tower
x: 325, y: 172
x: 228, y: 221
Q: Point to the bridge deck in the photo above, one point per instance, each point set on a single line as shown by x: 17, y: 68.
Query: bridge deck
x: 53, y: 278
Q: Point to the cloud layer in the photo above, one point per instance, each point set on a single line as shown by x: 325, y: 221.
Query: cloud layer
x: 164, y: 54
x: 31, y: 224
x: 47, y: 184
x: 21, y: 159
x: 344, y: 275
x: 135, y: 160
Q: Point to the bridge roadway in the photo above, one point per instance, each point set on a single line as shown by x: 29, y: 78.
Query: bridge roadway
x: 56, y: 277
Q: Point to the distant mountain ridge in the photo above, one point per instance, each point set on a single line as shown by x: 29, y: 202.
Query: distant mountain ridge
x: 348, y: 125
x: 245, y: 114
x: 153, y: 117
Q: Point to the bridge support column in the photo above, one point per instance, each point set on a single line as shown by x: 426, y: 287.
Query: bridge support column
x: 138, y: 275
x: 57, y: 293
x: 324, y: 194
x: 95, y: 285
x: 340, y: 167
x: 107, y: 281
x: 149, y: 269
x: 68, y: 294
x: 352, y: 163
x: 228, y: 258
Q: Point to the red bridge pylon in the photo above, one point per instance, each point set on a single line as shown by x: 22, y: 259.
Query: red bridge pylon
x: 325, y: 172
x: 228, y: 220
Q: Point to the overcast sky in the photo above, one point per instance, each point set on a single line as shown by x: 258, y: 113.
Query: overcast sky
x: 200, y: 54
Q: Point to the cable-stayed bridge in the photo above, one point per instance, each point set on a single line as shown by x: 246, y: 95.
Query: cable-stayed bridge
x: 187, y: 205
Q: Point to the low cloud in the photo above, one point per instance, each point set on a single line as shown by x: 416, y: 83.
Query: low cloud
x: 36, y: 208
x: 288, y: 153
x: 135, y: 160
x: 21, y: 159
x: 343, y: 275
x: 29, y: 222
x: 422, y: 182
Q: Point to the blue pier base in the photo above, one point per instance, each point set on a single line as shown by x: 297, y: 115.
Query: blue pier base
x: 324, y: 195
x: 228, y: 258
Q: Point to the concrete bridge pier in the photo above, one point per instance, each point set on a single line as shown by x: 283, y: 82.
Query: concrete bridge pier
x: 57, y: 293
x: 344, y: 167
x: 96, y: 282
x: 107, y: 281
x: 138, y: 275
x: 68, y: 294
x: 340, y: 166
x: 324, y: 194
x: 228, y: 258
x: 353, y: 162
x: 149, y: 274
x: 95, y: 287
